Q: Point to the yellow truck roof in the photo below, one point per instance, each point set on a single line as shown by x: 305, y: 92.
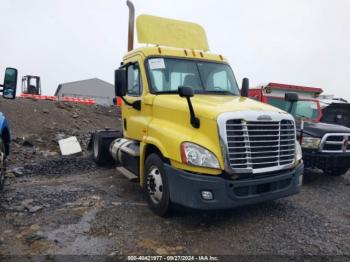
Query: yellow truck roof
x: 170, y: 32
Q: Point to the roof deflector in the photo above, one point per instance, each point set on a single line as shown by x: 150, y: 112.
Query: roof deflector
x: 172, y: 33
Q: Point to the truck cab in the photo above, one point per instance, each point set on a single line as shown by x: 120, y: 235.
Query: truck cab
x: 335, y: 111
x: 189, y: 137
x: 273, y: 93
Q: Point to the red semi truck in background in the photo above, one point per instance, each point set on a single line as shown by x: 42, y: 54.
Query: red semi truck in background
x: 273, y: 93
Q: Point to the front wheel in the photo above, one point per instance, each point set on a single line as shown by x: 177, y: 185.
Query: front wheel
x: 156, y: 186
x: 336, y: 171
x: 2, y: 164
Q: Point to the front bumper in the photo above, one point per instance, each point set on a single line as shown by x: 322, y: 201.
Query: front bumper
x: 325, y: 161
x: 185, y: 188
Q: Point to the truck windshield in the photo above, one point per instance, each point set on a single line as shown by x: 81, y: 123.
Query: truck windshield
x: 302, y: 108
x: 167, y: 74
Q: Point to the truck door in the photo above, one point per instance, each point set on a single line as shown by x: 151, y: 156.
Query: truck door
x: 135, y: 121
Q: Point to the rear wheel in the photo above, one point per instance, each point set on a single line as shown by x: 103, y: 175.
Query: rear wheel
x: 156, y: 186
x: 2, y: 163
x: 336, y: 172
x: 100, y: 149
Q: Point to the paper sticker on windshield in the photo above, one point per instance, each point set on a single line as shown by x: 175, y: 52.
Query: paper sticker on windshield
x: 156, y: 63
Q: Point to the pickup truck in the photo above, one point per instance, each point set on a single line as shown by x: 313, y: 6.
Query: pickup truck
x: 8, y: 90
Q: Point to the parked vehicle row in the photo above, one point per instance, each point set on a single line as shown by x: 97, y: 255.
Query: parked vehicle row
x: 324, y: 142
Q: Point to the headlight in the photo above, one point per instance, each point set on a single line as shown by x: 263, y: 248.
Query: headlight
x: 298, y: 152
x: 196, y: 155
x: 310, y: 142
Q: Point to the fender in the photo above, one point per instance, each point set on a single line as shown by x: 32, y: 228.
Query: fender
x: 5, y: 132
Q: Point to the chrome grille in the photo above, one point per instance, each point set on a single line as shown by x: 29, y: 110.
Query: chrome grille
x: 335, y: 143
x: 260, y: 144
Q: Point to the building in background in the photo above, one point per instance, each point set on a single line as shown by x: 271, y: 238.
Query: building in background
x: 101, y: 91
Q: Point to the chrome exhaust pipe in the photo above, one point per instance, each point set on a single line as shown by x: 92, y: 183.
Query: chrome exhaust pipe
x: 131, y: 25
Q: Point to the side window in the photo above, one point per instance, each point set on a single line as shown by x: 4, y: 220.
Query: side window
x: 134, y: 80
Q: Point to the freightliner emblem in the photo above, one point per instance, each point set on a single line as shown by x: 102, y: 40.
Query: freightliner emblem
x: 264, y: 117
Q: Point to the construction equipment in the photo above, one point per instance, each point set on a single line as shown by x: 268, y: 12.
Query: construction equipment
x: 31, y: 85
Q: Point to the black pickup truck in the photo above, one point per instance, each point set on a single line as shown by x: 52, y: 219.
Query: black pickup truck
x: 325, y: 146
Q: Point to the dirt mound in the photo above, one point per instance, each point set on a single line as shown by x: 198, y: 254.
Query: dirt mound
x: 37, y: 125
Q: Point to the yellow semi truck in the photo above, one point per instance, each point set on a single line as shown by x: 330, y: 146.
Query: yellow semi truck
x: 189, y: 136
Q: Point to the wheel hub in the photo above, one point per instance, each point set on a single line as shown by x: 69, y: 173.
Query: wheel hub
x: 155, y: 185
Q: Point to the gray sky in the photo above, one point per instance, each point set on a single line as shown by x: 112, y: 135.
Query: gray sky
x: 303, y: 42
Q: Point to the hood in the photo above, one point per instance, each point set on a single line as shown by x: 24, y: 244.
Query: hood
x: 210, y: 106
x: 320, y: 129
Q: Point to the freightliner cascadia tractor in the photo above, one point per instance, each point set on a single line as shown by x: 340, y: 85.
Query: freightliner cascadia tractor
x: 189, y: 136
x: 8, y: 90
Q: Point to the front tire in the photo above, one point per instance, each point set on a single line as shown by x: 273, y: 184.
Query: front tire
x: 2, y: 163
x: 336, y: 172
x: 156, y: 186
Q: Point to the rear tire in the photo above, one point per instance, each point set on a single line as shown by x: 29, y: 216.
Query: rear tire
x: 156, y: 186
x: 2, y: 164
x: 100, y: 148
x: 336, y: 172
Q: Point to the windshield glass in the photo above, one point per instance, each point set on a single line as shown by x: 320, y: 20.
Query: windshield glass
x: 167, y: 74
x: 301, y: 108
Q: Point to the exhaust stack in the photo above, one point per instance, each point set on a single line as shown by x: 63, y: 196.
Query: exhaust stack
x: 131, y: 25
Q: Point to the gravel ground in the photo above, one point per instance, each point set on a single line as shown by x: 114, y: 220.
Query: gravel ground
x: 69, y: 206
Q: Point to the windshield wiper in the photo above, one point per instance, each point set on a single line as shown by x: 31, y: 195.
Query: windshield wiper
x: 224, y: 92
x: 167, y: 92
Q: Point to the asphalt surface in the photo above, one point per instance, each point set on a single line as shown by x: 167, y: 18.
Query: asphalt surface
x: 70, y: 206
x: 54, y: 205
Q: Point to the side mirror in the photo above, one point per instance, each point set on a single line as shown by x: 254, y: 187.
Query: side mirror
x: 185, y: 91
x: 120, y: 82
x: 245, y: 87
x: 291, y: 97
x: 10, y: 83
